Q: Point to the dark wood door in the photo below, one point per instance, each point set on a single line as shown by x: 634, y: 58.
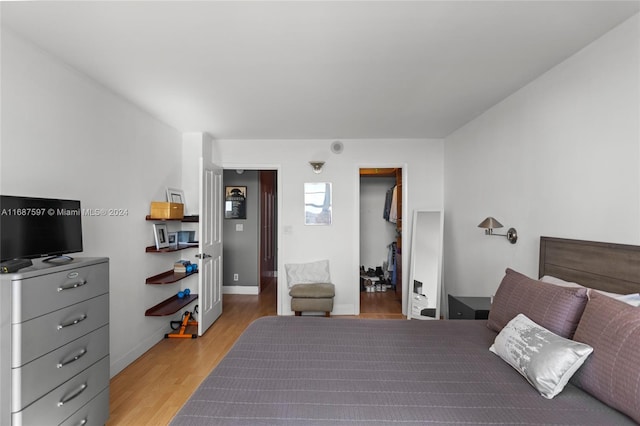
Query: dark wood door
x: 268, y: 231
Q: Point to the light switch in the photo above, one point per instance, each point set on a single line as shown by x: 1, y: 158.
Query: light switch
x: 239, y: 227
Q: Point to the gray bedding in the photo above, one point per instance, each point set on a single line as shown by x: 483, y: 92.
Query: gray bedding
x: 332, y: 371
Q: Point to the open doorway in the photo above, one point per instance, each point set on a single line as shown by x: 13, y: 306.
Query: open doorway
x: 381, y: 241
x: 250, y: 232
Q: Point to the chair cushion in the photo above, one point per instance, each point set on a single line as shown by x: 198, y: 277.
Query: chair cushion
x: 313, y: 291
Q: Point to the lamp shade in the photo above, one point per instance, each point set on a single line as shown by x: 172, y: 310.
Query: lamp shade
x: 490, y: 223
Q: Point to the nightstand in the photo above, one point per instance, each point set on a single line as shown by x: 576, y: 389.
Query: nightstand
x: 469, y: 307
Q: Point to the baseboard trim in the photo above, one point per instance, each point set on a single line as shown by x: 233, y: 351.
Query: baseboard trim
x: 239, y: 289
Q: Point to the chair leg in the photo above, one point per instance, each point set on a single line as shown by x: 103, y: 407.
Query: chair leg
x: 327, y: 314
x: 298, y: 313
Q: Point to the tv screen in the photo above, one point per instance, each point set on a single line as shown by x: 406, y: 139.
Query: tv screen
x: 39, y: 227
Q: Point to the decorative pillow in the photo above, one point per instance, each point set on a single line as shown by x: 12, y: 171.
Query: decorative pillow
x: 558, y: 309
x: 545, y: 359
x: 612, y: 374
x: 559, y: 281
x: 308, y: 273
x: 632, y: 299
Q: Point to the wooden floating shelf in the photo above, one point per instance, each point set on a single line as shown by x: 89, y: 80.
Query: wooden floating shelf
x: 170, y: 306
x: 190, y: 219
x: 153, y: 249
x: 168, y: 277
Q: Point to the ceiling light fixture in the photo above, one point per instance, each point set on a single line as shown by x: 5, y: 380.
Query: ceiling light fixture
x: 317, y: 166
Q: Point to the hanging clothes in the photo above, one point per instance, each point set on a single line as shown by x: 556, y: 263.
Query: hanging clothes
x: 391, y: 262
x: 387, y: 204
x: 393, y: 209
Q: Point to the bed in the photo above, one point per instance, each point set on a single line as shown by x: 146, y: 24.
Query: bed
x: 331, y: 371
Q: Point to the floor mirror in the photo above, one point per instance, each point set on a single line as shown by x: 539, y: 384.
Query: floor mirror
x: 425, y: 276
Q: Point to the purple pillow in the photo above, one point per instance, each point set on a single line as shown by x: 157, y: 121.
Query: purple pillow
x: 612, y: 373
x: 558, y: 309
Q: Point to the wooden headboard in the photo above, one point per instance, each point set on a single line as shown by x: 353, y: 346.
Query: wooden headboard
x: 604, y: 266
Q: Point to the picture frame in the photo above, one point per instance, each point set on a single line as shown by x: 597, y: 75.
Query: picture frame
x: 175, y: 195
x: 235, y: 202
x: 173, y: 240
x: 317, y: 203
x: 161, y: 234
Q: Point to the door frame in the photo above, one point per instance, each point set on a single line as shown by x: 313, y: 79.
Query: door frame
x: 279, y: 266
x: 404, y: 234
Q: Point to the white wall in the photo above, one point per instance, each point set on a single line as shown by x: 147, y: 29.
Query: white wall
x: 422, y: 161
x: 558, y: 158
x: 63, y: 135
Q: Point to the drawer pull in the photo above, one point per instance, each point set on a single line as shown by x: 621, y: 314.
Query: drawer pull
x: 73, y: 395
x: 74, y: 322
x: 82, y: 353
x: 71, y: 286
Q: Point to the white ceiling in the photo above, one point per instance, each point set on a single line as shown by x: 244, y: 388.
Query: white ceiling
x: 315, y: 70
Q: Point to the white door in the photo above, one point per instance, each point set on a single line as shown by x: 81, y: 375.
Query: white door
x: 210, y: 250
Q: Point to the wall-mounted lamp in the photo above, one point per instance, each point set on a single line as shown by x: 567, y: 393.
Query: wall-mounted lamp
x: 490, y: 223
x: 317, y: 166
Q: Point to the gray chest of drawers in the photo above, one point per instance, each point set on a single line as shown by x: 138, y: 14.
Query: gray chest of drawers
x: 54, y: 344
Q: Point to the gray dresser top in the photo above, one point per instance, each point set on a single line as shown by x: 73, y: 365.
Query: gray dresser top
x: 39, y: 267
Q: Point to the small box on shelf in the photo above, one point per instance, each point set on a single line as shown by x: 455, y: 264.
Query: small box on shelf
x: 165, y: 210
x: 184, y: 266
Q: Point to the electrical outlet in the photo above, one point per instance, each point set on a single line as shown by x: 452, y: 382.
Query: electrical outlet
x: 235, y: 277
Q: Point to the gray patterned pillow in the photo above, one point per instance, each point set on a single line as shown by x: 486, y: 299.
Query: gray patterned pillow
x: 545, y: 359
x: 558, y: 309
x: 307, y: 273
x: 612, y: 374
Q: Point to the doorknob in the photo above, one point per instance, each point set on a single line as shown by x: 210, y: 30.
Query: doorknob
x: 202, y: 255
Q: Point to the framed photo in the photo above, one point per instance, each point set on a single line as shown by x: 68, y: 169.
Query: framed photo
x: 175, y: 196
x: 173, y: 240
x: 161, y: 235
x: 235, y: 202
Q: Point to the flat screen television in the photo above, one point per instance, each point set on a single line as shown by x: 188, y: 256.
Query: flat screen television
x: 39, y: 227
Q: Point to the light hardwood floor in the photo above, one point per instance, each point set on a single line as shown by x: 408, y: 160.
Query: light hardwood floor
x: 154, y: 387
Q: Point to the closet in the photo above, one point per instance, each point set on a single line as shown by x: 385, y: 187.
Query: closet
x: 378, y: 185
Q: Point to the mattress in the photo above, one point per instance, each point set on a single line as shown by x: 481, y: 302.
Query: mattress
x: 332, y: 371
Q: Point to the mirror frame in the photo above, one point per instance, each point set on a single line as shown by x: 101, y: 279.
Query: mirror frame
x: 411, y: 297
